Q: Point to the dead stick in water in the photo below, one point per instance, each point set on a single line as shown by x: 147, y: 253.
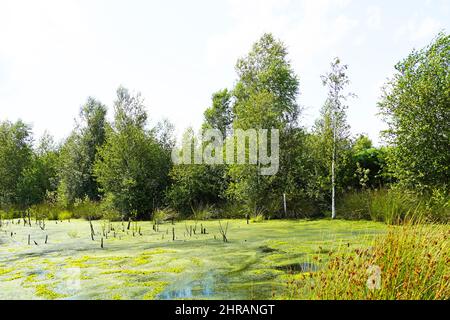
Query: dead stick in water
x: 223, y: 231
x: 92, y: 229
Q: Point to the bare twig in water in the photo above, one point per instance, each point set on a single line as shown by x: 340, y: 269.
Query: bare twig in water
x: 223, y: 232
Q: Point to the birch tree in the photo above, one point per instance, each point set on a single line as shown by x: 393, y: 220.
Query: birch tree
x: 334, y: 124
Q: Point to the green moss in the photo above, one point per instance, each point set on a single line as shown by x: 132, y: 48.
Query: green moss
x: 50, y: 276
x: 16, y: 276
x: 155, y: 289
x: 78, y: 263
x: 174, y: 270
x: 116, y: 258
x: 133, y: 264
x: 158, y: 251
x: 196, y: 261
x: 4, y: 271
x: 140, y: 260
x: 45, y: 292
x: 130, y: 272
x: 29, y: 280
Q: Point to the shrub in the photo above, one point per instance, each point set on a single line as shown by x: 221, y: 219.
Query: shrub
x: 64, y: 215
x: 204, y: 212
x: 7, y: 214
x: 354, y: 206
x: 112, y: 215
x: 231, y: 210
x: 45, y: 210
x: 162, y: 215
x: 259, y: 217
x: 438, y: 204
x: 87, y: 209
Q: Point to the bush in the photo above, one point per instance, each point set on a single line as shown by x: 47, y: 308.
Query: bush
x: 65, y: 215
x: 438, y: 204
x: 205, y: 212
x: 87, y: 209
x: 258, y: 217
x: 162, y: 215
x: 112, y: 215
x: 10, y: 214
x: 231, y: 210
x: 45, y: 210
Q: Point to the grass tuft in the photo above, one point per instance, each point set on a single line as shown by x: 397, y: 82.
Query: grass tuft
x: 410, y: 262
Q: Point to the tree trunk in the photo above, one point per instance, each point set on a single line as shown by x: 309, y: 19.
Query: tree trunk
x: 333, y: 169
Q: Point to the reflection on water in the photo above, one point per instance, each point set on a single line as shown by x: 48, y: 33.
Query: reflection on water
x: 190, y: 289
x: 216, y: 286
x: 299, y: 267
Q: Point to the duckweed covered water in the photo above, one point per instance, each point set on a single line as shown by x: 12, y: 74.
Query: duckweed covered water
x: 150, y: 265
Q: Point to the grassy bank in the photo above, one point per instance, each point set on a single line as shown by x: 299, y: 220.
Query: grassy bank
x: 411, y: 261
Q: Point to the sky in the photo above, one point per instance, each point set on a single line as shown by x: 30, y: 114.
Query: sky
x: 56, y: 53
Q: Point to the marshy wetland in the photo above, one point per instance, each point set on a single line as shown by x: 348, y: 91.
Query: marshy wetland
x: 144, y: 262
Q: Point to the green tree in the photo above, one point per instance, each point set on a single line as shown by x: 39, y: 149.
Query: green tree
x: 195, y: 185
x: 78, y: 154
x: 264, y: 98
x: 15, y: 156
x: 219, y: 115
x: 362, y: 143
x: 132, y: 166
x: 40, y: 176
x: 332, y: 127
x: 416, y: 106
x: 371, y: 161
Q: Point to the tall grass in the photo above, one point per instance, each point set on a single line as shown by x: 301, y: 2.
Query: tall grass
x: 410, y: 262
x: 394, y: 206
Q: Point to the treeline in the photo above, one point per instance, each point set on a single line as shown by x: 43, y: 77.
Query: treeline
x: 122, y: 169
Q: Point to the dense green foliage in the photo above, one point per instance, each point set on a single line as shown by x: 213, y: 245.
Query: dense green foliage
x: 132, y: 166
x: 416, y: 105
x: 123, y: 169
x: 79, y: 152
x: 264, y: 98
x: 15, y: 158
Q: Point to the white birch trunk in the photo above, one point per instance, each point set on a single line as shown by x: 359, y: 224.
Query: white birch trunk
x: 333, y: 169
